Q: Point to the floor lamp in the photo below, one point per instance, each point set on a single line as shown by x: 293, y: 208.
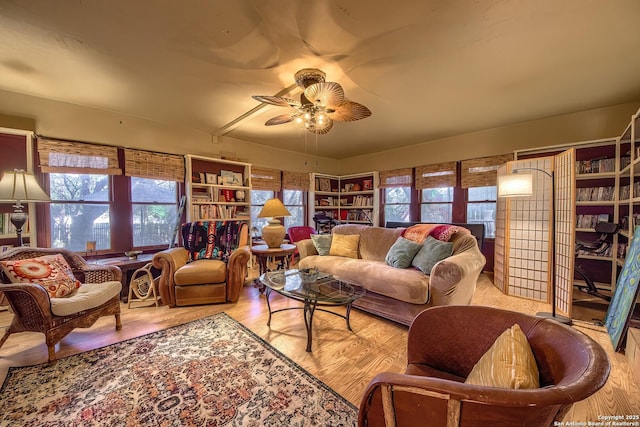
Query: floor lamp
x: 519, y: 184
x: 18, y: 186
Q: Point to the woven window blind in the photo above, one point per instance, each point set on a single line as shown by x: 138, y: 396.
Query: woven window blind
x: 295, y: 180
x: 482, y: 172
x: 147, y: 164
x: 396, y: 178
x: 436, y: 176
x: 77, y: 157
x: 265, y: 179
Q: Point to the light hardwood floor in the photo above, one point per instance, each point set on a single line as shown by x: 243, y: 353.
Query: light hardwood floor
x: 345, y: 361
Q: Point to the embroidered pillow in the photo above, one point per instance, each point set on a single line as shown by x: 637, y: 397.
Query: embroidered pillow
x: 345, y: 245
x: 322, y: 243
x: 211, y: 239
x: 52, y: 272
x: 509, y: 363
x: 431, y: 252
x: 443, y: 232
x: 418, y: 232
x: 401, y: 253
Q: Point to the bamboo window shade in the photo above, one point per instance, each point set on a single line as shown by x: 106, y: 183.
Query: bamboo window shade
x: 265, y: 179
x: 482, y: 172
x: 147, y: 164
x: 396, y: 178
x: 77, y: 157
x: 436, y: 176
x: 295, y: 180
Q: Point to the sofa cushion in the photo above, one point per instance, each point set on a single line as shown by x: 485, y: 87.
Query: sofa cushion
x: 52, y: 272
x: 374, y: 241
x: 509, y: 363
x: 322, y: 243
x: 418, y: 232
x: 201, y: 272
x: 407, y: 284
x: 87, y: 296
x: 443, y: 232
x: 402, y: 252
x: 345, y: 245
x: 431, y: 252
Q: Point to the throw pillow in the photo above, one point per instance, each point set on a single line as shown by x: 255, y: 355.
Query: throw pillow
x: 431, y: 252
x: 401, y: 253
x: 419, y: 232
x: 509, y: 363
x: 52, y: 272
x: 443, y: 232
x: 345, y: 245
x: 322, y: 242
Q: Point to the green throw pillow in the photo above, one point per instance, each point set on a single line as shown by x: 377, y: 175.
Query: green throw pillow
x: 402, y: 252
x: 322, y: 242
x: 432, y: 252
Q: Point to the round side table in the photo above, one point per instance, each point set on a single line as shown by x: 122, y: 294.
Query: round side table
x: 264, y: 252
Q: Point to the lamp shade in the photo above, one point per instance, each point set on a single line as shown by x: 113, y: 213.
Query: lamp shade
x: 273, y: 208
x: 515, y: 185
x: 19, y: 186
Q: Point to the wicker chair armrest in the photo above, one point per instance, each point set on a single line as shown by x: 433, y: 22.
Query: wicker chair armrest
x: 101, y: 273
x: 36, y: 295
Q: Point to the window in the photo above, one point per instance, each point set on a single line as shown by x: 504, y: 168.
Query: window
x: 258, y: 199
x: 154, y: 211
x: 397, y: 204
x: 294, y: 202
x: 80, y: 211
x: 481, y: 208
x: 436, y: 205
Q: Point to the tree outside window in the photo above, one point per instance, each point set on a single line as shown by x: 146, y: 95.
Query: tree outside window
x: 258, y: 199
x: 436, y: 205
x: 481, y: 208
x: 397, y: 204
x: 154, y: 211
x: 294, y: 202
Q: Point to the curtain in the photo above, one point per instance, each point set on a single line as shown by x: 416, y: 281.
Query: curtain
x: 436, y: 176
x: 77, y: 157
x: 295, y: 180
x: 147, y: 164
x: 265, y: 179
x: 396, y: 178
x: 482, y: 172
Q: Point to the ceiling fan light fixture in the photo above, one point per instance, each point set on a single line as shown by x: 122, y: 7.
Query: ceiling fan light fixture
x: 321, y: 103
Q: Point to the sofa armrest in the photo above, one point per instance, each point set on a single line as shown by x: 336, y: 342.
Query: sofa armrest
x: 237, y: 272
x: 33, y: 298
x: 168, y: 261
x: 306, y: 248
x: 453, y: 280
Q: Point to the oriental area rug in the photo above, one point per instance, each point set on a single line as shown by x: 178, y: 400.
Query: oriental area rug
x: 210, y: 372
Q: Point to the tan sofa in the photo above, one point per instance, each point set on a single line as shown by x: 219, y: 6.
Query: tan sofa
x: 399, y: 294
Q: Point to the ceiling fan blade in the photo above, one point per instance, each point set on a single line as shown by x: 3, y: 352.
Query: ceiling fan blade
x: 328, y: 94
x: 349, y: 111
x: 277, y: 100
x: 322, y: 129
x: 279, y: 120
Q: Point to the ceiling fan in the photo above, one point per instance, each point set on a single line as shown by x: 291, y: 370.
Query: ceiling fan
x: 320, y: 104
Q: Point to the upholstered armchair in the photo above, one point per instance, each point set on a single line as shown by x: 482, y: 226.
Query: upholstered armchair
x: 444, y: 344
x: 35, y: 310
x: 210, y: 268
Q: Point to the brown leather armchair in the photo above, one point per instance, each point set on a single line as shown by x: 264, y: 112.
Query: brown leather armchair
x: 35, y: 311
x: 203, y: 281
x: 445, y: 342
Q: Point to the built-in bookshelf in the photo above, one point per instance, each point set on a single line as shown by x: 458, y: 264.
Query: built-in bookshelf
x: 345, y: 198
x: 217, y: 189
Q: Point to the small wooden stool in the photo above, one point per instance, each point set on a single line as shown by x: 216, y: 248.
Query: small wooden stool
x: 144, y: 286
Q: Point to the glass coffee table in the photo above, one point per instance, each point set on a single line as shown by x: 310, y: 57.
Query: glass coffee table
x: 325, y: 291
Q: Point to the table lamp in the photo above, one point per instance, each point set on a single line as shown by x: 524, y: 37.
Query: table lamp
x: 18, y: 186
x: 274, y: 232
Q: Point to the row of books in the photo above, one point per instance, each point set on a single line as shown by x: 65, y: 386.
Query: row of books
x: 360, y: 215
x: 218, y: 211
x: 593, y: 194
x: 590, y: 221
x: 624, y: 221
x: 625, y: 191
x: 362, y: 201
x: 596, y: 166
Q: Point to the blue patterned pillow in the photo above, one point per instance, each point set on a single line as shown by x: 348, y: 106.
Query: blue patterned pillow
x: 402, y: 252
x: 432, y: 252
x: 211, y: 239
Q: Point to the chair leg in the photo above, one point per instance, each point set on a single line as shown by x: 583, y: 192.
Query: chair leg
x: 52, y: 352
x: 118, y: 322
x: 4, y: 337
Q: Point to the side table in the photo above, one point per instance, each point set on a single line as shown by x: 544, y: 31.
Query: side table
x: 128, y: 266
x: 264, y: 252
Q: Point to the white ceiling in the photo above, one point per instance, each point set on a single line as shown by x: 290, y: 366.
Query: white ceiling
x: 426, y: 69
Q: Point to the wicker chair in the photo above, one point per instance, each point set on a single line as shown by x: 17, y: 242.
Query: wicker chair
x: 31, y: 303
